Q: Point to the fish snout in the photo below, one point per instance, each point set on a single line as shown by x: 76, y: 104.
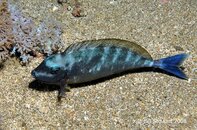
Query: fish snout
x: 33, y: 73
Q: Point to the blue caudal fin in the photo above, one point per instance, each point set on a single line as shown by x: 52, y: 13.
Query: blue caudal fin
x: 172, y: 64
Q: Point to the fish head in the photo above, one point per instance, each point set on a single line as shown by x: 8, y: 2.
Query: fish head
x: 51, y: 70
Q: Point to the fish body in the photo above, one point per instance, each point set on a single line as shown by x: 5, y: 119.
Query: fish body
x: 94, y: 59
x: 86, y: 61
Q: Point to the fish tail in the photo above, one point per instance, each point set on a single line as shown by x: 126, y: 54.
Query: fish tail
x: 172, y: 64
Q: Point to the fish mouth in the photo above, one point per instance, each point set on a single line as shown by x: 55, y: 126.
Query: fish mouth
x: 33, y: 73
x: 42, y: 79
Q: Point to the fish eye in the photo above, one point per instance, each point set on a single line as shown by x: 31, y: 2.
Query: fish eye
x: 55, y: 70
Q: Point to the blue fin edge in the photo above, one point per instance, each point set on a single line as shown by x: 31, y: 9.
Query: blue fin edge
x: 172, y: 64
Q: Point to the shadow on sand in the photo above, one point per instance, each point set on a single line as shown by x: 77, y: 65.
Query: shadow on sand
x: 48, y: 87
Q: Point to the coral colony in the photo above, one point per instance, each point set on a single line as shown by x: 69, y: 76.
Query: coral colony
x: 20, y: 37
x: 6, y: 36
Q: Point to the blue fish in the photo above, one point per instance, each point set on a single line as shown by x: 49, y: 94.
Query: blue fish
x: 94, y: 59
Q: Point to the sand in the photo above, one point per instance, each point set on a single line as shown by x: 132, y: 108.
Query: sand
x: 147, y: 100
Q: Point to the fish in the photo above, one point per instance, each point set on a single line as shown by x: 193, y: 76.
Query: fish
x: 94, y: 59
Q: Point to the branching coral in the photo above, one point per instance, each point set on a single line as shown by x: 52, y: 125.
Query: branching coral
x: 49, y: 35
x: 3, y: 54
x: 6, y: 36
x: 29, y: 40
x: 19, y: 35
x: 25, y: 41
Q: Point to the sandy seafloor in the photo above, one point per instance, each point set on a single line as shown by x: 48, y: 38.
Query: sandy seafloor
x: 147, y: 100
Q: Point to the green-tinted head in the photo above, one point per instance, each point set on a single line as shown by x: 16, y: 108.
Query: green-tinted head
x: 51, y: 70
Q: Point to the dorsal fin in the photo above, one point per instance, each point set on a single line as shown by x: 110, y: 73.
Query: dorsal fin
x: 115, y: 42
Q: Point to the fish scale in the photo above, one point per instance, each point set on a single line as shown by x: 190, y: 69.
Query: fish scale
x: 104, y: 61
x: 94, y: 59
